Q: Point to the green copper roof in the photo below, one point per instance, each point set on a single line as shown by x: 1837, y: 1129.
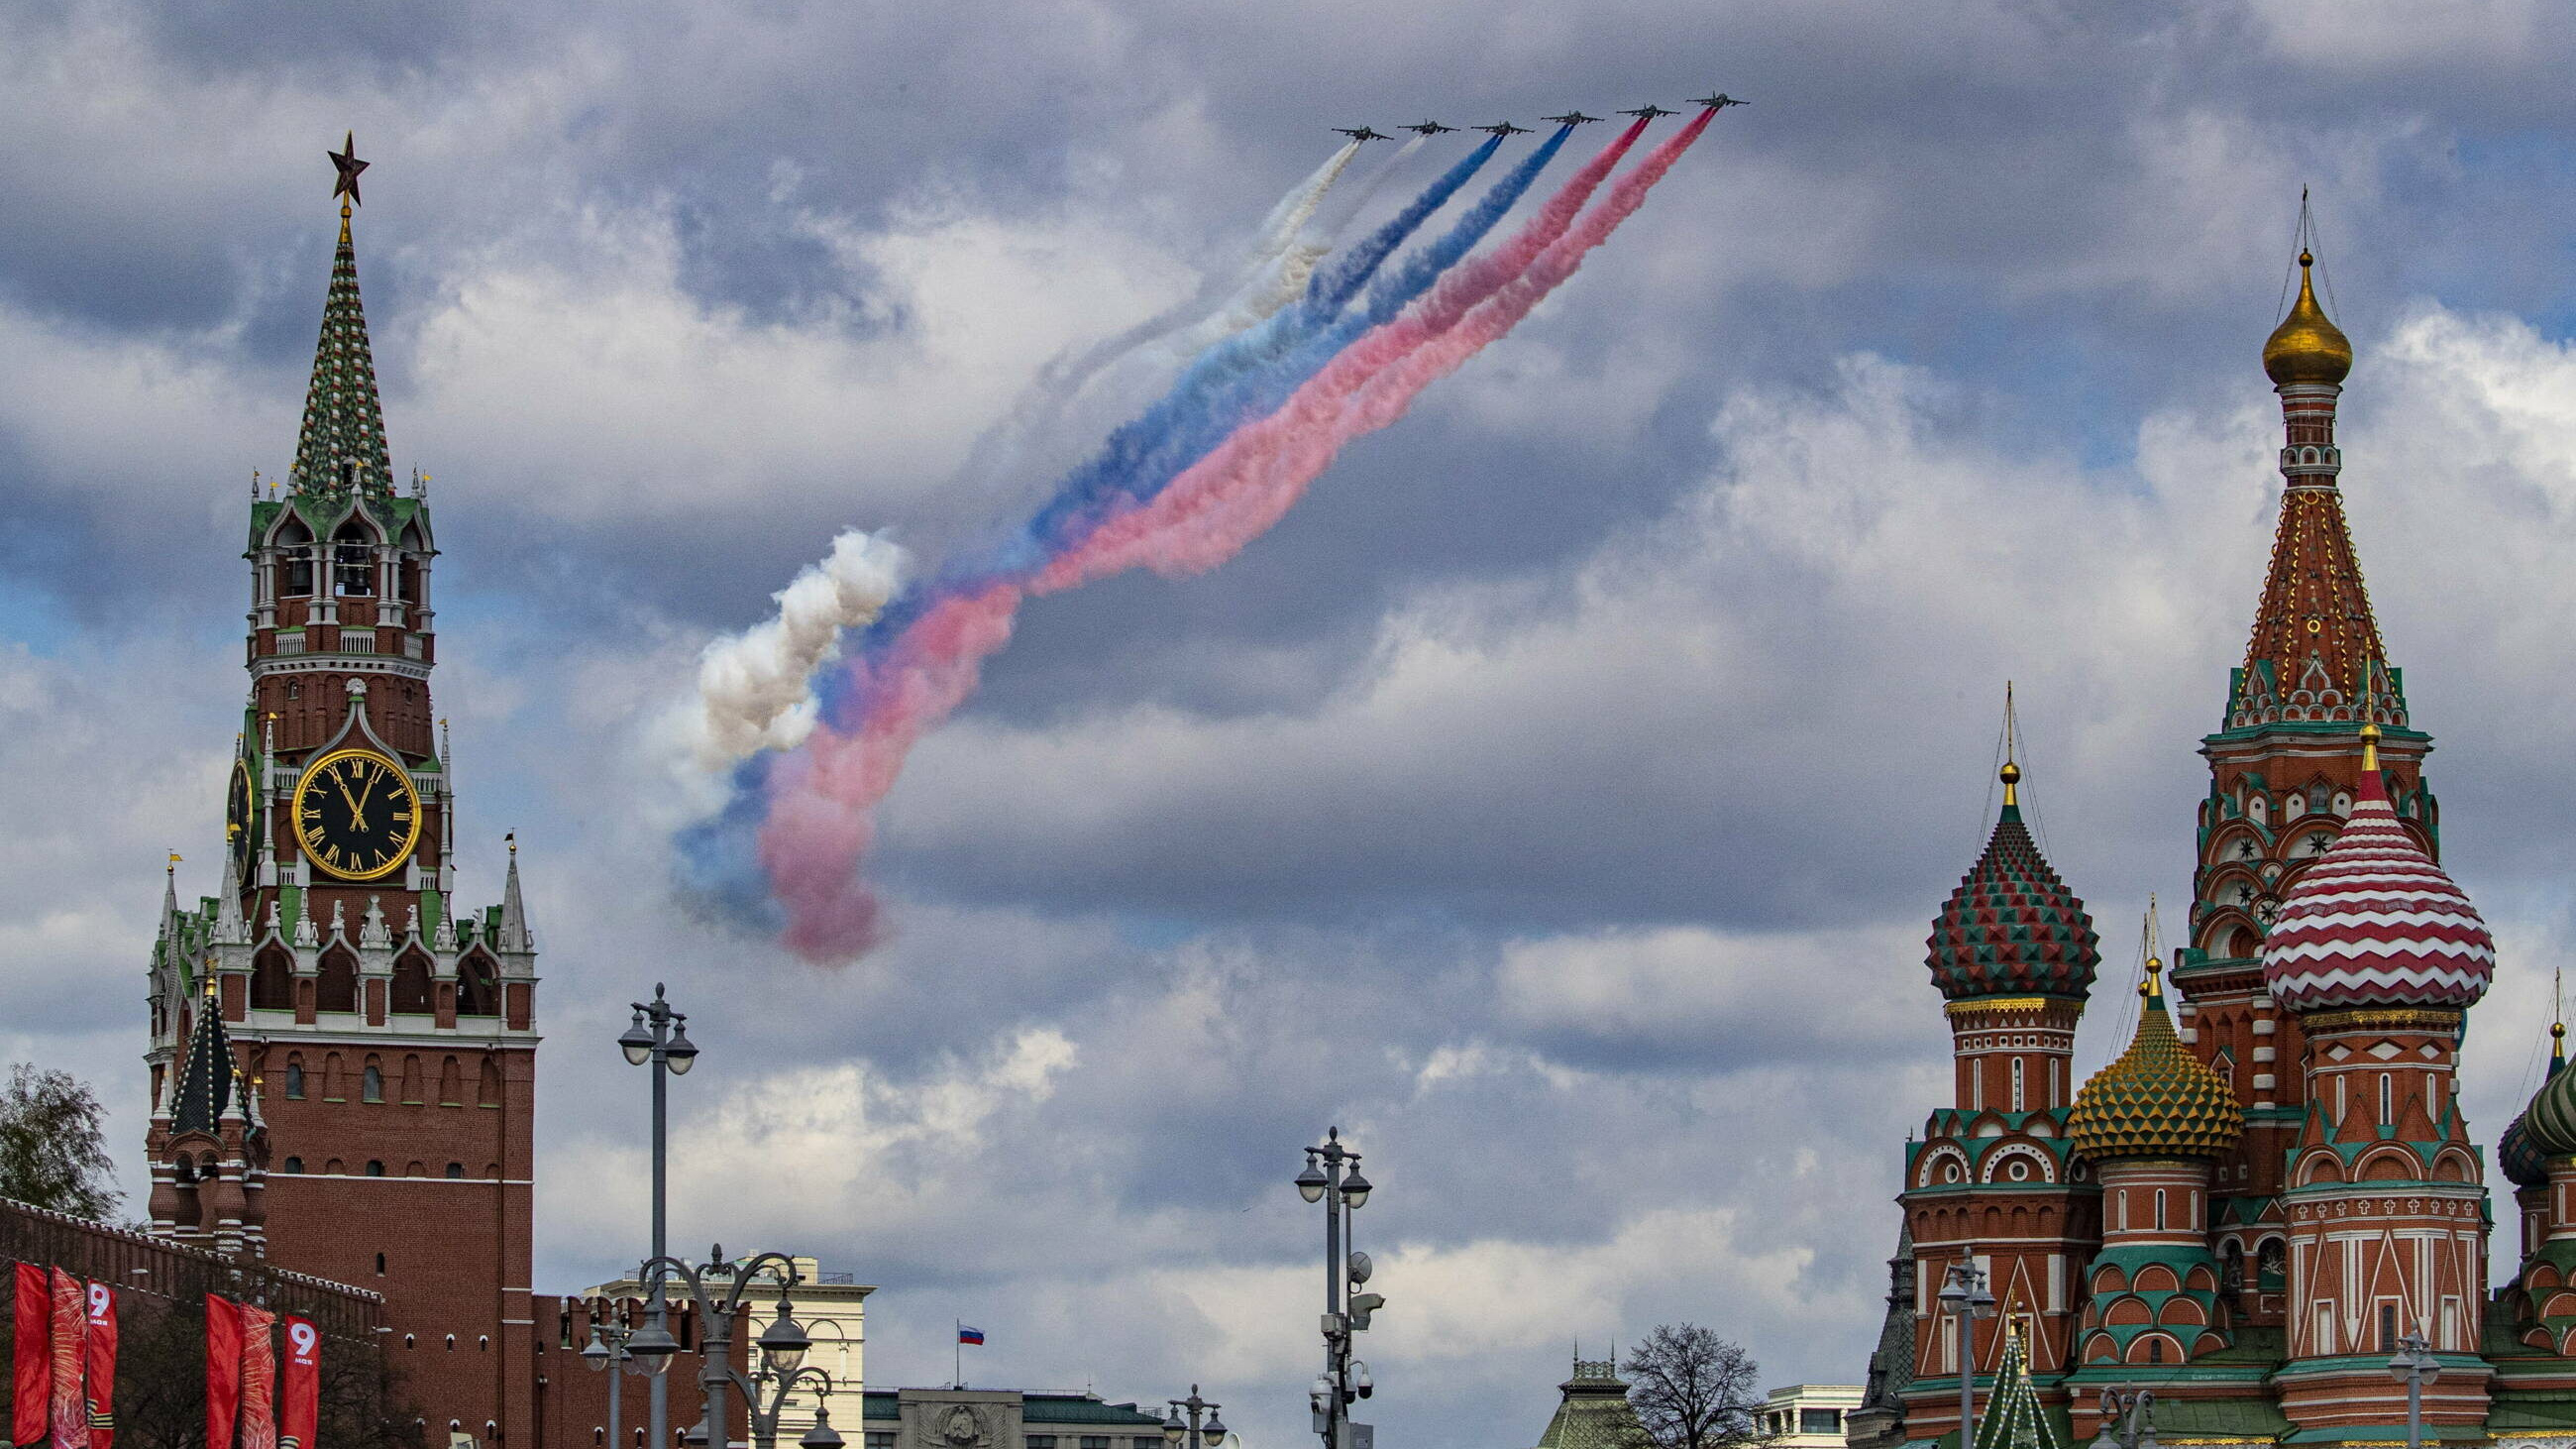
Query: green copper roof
x: 2157, y: 1100
x: 2549, y: 1123
x: 1593, y: 1412
x: 2012, y: 928
x: 342, y: 447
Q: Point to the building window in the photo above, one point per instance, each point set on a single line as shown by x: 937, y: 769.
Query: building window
x: 456, y: 1169
x: 2387, y: 1328
x: 1095, y: 1441
x: 2016, y: 1085
x: 884, y: 1439
x: 1036, y: 1441
x: 2386, y: 1115
x: 294, y: 1164
x: 2155, y: 1350
x: 295, y: 1081
x: 380, y: 1272
x: 2160, y: 1209
x: 375, y: 1167
x: 1820, y: 1421
x: 372, y: 1088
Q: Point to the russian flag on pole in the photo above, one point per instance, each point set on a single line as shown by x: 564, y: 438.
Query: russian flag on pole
x: 974, y: 1336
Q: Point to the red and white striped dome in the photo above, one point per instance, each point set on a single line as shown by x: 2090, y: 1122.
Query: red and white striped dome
x: 2374, y: 922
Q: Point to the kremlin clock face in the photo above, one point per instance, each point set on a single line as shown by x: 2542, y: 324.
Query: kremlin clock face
x: 356, y: 814
x: 241, y: 805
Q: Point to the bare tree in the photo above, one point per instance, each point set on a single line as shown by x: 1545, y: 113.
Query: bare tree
x: 1693, y: 1390
x: 53, y: 1153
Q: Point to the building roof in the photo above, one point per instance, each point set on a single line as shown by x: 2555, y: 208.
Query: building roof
x: 2375, y: 922
x: 205, y: 1087
x: 2012, y: 928
x: 2157, y: 1100
x: 2522, y: 1160
x: 1592, y: 1410
x: 2549, y: 1123
x: 341, y: 448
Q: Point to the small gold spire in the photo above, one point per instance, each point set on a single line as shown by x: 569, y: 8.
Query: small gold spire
x: 2011, y: 772
x: 2153, y: 988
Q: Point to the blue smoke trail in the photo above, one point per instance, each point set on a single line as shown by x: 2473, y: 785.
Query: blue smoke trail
x: 1244, y: 378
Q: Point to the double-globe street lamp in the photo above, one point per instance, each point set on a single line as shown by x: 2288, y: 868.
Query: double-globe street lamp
x: 1332, y: 1177
x: 1965, y: 1295
x: 1193, y: 1434
x: 606, y: 1353
x: 782, y: 1348
x: 659, y: 1039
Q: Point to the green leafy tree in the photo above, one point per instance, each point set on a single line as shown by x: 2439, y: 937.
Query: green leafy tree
x: 1693, y: 1390
x: 53, y: 1147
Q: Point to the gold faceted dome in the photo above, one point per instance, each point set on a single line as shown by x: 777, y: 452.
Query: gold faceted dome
x: 2157, y: 1100
x: 2306, y: 347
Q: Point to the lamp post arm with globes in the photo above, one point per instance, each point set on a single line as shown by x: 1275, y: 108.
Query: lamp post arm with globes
x: 1332, y: 1177
x: 1194, y: 1434
x: 782, y: 1348
x: 2128, y: 1420
x: 606, y: 1353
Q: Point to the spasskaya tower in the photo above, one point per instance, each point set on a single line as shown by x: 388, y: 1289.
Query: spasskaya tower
x: 343, y: 1056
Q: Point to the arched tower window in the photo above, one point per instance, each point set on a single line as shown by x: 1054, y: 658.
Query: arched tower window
x: 477, y: 993
x: 295, y: 544
x: 337, y: 990
x: 2160, y: 1209
x: 372, y: 1083
x: 272, y: 982
x: 295, y: 1081
x: 2387, y: 1097
x: 2017, y: 1085
x: 353, y: 561
x: 411, y: 984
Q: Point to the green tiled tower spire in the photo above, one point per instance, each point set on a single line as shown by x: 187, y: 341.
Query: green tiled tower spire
x: 342, y: 446
x: 1594, y: 1411
x: 2013, y: 1418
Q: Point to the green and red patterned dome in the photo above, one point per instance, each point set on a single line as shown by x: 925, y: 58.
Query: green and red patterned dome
x: 2012, y: 928
x: 2157, y: 1100
x: 2521, y: 1159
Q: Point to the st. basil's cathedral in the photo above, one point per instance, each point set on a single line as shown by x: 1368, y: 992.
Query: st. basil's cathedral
x: 2272, y: 1189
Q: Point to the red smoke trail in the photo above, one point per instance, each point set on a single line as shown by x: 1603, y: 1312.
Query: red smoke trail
x: 822, y: 798
x: 1230, y: 497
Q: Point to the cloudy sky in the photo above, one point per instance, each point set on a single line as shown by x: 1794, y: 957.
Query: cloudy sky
x: 1555, y: 799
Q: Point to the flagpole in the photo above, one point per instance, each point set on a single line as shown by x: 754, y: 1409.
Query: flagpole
x: 957, y: 1353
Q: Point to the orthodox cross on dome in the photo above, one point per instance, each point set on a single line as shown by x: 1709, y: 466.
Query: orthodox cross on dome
x: 341, y: 449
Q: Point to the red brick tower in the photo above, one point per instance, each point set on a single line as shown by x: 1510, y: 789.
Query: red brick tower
x: 385, y: 1036
x: 2285, y: 766
x: 1993, y: 1178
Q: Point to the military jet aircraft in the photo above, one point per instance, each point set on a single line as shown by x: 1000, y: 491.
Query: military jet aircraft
x: 1649, y: 112
x: 1718, y: 102
x: 1427, y: 128
x: 1360, y: 133
x: 1502, y: 128
x: 1571, y: 118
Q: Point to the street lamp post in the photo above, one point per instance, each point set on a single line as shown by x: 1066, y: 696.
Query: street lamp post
x: 1332, y: 1177
x: 2128, y: 1420
x: 1967, y: 1298
x: 782, y: 1348
x: 2414, y: 1366
x: 606, y: 1353
x: 1193, y: 1434
x: 659, y: 1039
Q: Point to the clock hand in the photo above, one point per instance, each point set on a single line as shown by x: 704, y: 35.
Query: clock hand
x: 357, y: 812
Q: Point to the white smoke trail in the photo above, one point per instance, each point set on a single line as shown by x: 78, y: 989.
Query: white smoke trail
x: 1272, y: 248
x: 752, y: 692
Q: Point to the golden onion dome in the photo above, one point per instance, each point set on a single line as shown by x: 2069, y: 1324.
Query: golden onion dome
x: 2306, y: 347
x: 2157, y: 1100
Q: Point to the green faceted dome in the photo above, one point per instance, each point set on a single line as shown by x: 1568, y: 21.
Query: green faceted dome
x: 2157, y: 1100
x: 2012, y: 928
x: 2549, y: 1124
